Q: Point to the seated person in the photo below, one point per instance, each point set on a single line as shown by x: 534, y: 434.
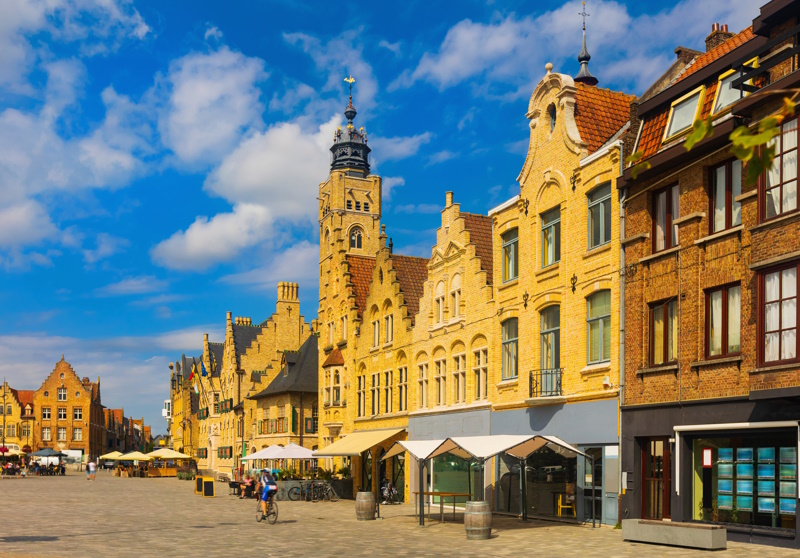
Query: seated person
x: 246, y: 487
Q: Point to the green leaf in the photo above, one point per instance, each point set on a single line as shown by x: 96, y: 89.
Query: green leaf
x: 639, y: 168
x: 759, y: 164
x: 701, y: 129
x: 634, y: 157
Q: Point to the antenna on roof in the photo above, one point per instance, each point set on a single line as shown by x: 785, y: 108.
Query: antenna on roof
x: 585, y: 76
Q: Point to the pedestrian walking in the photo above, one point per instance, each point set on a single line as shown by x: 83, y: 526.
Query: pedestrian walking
x: 91, y: 469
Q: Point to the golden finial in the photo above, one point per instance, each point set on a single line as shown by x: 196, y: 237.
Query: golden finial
x: 350, y: 80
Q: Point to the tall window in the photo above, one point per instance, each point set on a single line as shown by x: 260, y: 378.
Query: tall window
x: 337, y: 387
x: 355, y: 238
x: 62, y: 394
x: 387, y: 391
x: 11, y: 430
x: 726, y: 185
x: 460, y: 378
x: 77, y: 413
x: 331, y: 333
x: 45, y: 413
x: 510, y: 333
x: 358, y: 206
x: 780, y: 314
x: 375, y: 393
x: 551, y: 112
x: 216, y: 403
x: 25, y: 430
x: 349, y: 204
x: 550, y: 338
x: 665, y: 211
x: 551, y: 237
x: 780, y: 182
x: 46, y: 436
x: 664, y: 332
x: 402, y: 388
x: 599, y: 216
x: 455, y: 296
x: 726, y: 95
x: 438, y: 303
x: 480, y: 370
x: 598, y: 320
x: 62, y: 434
x: 423, y: 385
x: 77, y: 434
x: 723, y: 321
x: 315, y: 418
x: 362, y: 386
x: 62, y: 413
x: 343, y: 327
x: 376, y: 333
x: 388, y: 324
x: 510, y: 255
x: 441, y: 382
x: 8, y: 409
x: 328, y: 385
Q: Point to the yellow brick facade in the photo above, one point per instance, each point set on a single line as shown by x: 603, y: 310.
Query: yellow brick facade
x: 18, y: 426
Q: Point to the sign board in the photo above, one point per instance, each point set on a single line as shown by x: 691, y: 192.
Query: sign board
x: 706, y: 458
x: 208, y: 487
x: 198, y: 485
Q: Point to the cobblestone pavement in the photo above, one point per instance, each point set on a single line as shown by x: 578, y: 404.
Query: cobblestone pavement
x: 69, y: 516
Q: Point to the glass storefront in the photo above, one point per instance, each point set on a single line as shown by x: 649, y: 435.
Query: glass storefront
x: 550, y: 481
x: 454, y: 474
x: 749, y: 479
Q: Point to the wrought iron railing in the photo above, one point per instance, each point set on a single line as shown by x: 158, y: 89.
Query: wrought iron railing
x: 545, y: 382
x: 756, y: 76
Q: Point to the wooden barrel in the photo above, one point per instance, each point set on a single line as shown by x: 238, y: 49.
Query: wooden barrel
x: 365, y: 506
x: 478, y: 520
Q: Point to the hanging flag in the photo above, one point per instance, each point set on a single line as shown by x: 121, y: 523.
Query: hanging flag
x: 191, y: 374
x: 203, y: 369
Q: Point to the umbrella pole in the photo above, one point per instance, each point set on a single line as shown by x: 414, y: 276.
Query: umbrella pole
x: 523, y: 497
x: 421, y: 463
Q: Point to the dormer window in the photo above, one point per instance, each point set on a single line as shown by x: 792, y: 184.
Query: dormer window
x: 551, y: 112
x: 355, y: 238
x: 684, y: 112
x: 726, y: 95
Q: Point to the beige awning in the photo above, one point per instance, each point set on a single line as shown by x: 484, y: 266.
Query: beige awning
x: 356, y: 443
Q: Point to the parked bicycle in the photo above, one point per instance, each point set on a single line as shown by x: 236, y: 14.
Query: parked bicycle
x: 313, y: 491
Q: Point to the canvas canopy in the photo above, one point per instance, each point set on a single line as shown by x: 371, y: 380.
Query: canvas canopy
x: 266, y: 453
x: 134, y: 456
x: 419, y: 449
x: 293, y: 451
x: 356, y: 443
x: 167, y: 453
x: 111, y: 456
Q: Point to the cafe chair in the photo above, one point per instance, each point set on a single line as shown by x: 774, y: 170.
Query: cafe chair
x: 566, y: 501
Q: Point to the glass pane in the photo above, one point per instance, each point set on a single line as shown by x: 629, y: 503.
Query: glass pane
x: 727, y: 94
x: 734, y: 318
x: 606, y: 338
x: 772, y: 314
x: 594, y: 341
x: 772, y: 286
x: 788, y: 344
x: 789, y: 135
x: 790, y: 166
x: 661, y: 220
x: 547, y: 247
x: 607, y: 220
x: 510, y: 329
x: 774, y: 173
x: 658, y: 335
x: 595, y: 225
x: 719, y: 199
x: 736, y: 191
x: 715, y: 323
x: 550, y: 318
x: 789, y: 313
x: 683, y: 114
x: 600, y: 193
x: 600, y: 304
x: 672, y: 348
x: 771, y: 346
x: 557, y: 248
x: 773, y: 202
x: 789, y: 282
x: 789, y: 196
x: 675, y: 208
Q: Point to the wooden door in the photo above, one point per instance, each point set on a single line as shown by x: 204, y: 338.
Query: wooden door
x: 655, y: 478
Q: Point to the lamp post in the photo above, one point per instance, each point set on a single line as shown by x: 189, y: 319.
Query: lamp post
x: 239, y: 375
x: 5, y: 449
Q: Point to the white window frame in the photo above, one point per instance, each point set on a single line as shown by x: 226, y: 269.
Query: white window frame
x: 62, y: 394
x: 423, y: 385
x: 388, y: 383
x: 77, y: 413
x: 480, y: 369
x: 460, y: 378
x: 402, y: 388
x: 388, y: 324
x: 376, y: 333
x: 441, y: 380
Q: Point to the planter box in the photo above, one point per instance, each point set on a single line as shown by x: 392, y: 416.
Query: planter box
x: 691, y: 535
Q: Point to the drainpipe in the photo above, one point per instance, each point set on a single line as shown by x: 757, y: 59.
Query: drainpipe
x: 622, y: 208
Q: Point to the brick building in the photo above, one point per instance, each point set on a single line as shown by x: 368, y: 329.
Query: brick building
x: 69, y: 414
x: 712, y: 378
x: 16, y: 417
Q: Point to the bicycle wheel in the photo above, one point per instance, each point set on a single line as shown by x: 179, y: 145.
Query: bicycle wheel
x: 259, y: 511
x: 332, y: 494
x: 294, y: 493
x: 272, y: 513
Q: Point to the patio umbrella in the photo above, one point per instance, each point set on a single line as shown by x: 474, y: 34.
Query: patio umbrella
x: 134, y: 456
x: 48, y: 452
x: 292, y: 451
x: 266, y: 453
x: 166, y: 453
x: 113, y: 456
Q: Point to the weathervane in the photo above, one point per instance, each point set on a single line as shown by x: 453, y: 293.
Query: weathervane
x: 583, y: 13
x: 350, y: 80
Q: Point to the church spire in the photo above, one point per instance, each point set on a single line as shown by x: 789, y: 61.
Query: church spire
x: 350, y: 151
x: 585, y: 76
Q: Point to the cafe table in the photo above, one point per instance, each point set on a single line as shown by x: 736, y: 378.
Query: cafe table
x: 442, y: 496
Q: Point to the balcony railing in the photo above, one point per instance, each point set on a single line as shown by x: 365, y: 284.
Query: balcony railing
x: 754, y: 77
x: 545, y: 382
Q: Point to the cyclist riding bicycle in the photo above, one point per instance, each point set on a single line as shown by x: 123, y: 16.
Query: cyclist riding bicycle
x: 268, y: 489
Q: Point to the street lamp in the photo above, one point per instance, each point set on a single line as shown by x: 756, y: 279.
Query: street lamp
x: 240, y: 374
x: 4, y: 449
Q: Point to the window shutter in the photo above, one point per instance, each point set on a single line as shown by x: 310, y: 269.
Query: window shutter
x: 309, y: 425
x: 294, y: 420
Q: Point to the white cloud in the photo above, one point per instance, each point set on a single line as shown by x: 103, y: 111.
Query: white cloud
x: 389, y: 183
x: 106, y: 246
x: 208, y: 242
x: 394, y: 47
x: 132, y: 286
x: 396, y: 148
x: 441, y: 157
x: 213, y: 32
x: 213, y: 100
x: 25, y: 223
x: 297, y: 263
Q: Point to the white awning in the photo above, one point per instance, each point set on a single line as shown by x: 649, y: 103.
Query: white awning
x: 480, y: 447
x: 266, y: 453
x: 419, y: 449
x: 356, y: 443
x: 293, y: 451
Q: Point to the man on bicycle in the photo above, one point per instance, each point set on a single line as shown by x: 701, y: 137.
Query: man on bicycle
x: 268, y: 489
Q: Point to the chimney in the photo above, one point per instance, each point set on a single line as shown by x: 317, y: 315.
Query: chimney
x: 288, y: 292
x: 448, y: 199
x: 719, y: 34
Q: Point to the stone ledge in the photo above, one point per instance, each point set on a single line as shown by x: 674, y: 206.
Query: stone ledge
x: 657, y: 369
x: 660, y: 254
x: 720, y: 234
x: 713, y: 361
x: 775, y: 368
x: 544, y: 401
x: 634, y: 238
x: 782, y: 220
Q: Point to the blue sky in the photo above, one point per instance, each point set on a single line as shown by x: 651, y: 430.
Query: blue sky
x: 159, y: 161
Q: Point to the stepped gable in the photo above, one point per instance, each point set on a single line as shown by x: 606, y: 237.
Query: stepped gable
x: 243, y: 337
x: 480, y: 234
x: 216, y: 350
x: 300, y: 376
x: 411, y: 272
x: 600, y: 113
x: 360, y: 277
x: 717, y: 52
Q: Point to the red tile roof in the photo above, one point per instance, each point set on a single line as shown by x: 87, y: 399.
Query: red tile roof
x: 718, y: 52
x: 600, y: 113
x: 653, y: 133
x: 412, y: 273
x: 360, y: 277
x: 480, y: 234
x: 24, y: 397
x: 334, y: 359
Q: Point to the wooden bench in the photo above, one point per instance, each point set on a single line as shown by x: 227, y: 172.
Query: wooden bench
x: 671, y: 533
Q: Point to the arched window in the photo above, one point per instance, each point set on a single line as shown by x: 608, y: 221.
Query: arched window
x: 510, y: 338
x: 550, y: 339
x: 439, y: 303
x: 551, y: 112
x: 455, y: 295
x: 355, y: 238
